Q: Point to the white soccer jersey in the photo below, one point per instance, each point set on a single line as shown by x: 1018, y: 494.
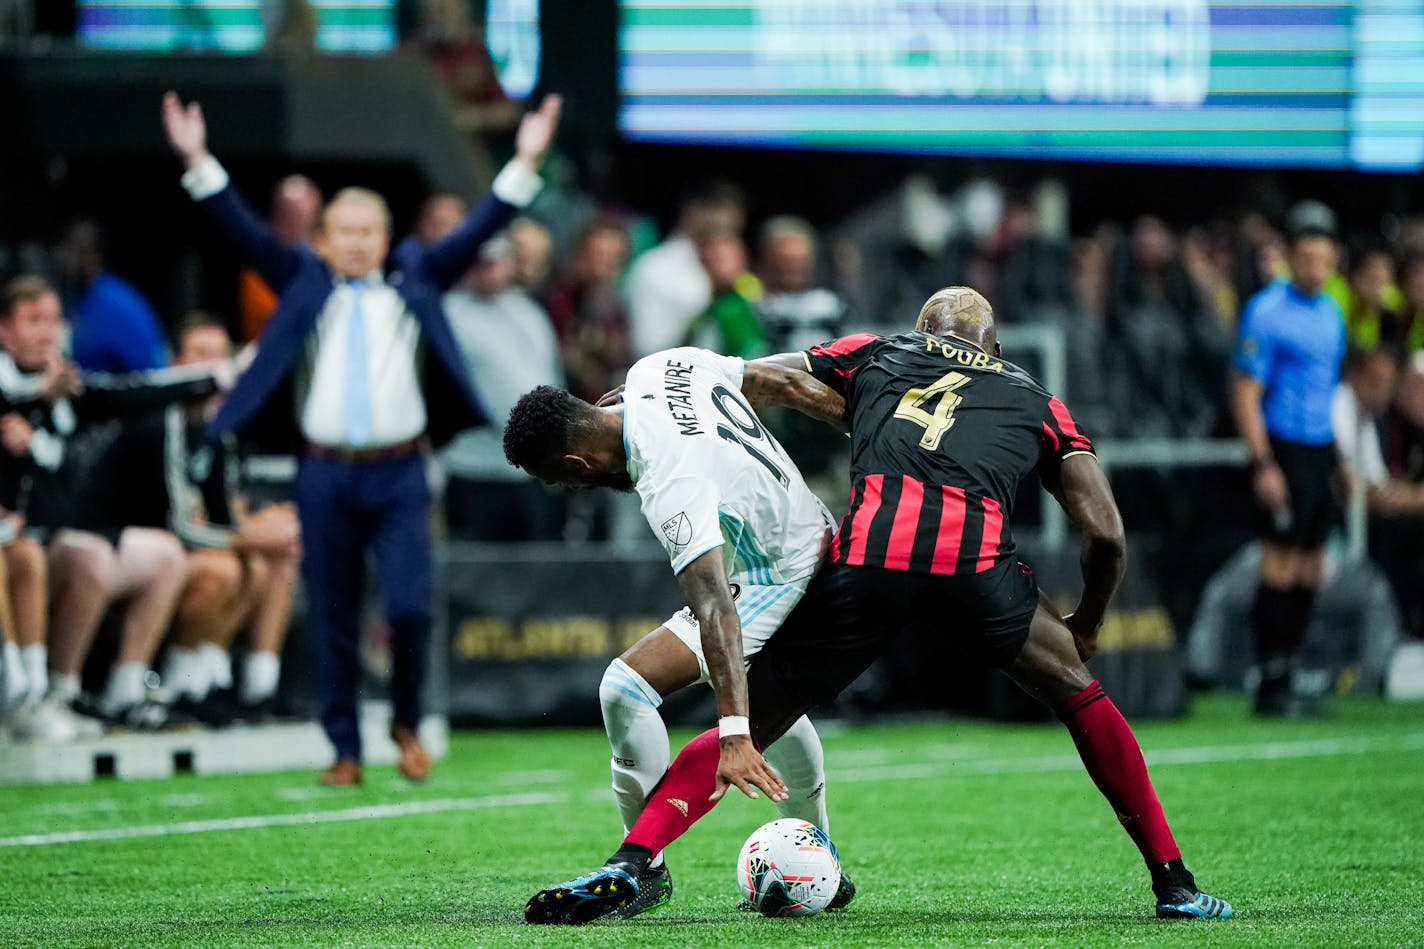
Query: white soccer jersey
x: 710, y: 475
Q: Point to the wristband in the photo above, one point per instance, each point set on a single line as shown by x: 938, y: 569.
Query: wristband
x: 731, y: 726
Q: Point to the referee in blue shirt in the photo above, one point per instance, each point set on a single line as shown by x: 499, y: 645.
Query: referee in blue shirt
x: 1287, y: 359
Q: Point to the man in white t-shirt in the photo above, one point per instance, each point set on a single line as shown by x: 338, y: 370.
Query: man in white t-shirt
x: 1370, y: 379
x: 744, y: 535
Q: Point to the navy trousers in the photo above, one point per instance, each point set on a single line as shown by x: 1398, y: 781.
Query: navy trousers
x: 346, y: 510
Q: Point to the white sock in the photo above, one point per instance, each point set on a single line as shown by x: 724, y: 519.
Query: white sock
x: 218, y: 664
x: 638, y: 736
x: 64, y: 687
x: 185, y: 673
x: 37, y: 669
x: 17, y: 683
x: 798, y: 758
x: 126, y: 687
x: 261, y: 672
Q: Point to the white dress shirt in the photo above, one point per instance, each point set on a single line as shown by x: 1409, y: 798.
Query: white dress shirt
x: 667, y: 288
x: 509, y: 348
x: 392, y: 338
x: 393, y: 384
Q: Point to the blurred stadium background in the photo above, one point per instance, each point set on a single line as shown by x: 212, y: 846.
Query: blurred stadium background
x: 1117, y: 177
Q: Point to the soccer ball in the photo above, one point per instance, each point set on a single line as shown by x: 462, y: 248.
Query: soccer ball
x: 789, y: 867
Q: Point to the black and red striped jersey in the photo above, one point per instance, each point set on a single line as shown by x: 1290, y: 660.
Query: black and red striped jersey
x: 942, y: 433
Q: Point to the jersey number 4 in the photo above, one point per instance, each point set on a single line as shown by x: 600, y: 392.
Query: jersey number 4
x: 941, y: 420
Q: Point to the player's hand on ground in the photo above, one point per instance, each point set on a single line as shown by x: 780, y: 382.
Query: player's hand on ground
x: 1270, y: 486
x: 536, y: 131
x: 186, y: 129
x: 611, y: 397
x: 743, y: 767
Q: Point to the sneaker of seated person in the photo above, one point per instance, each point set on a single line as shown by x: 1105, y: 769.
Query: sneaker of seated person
x: 155, y: 713
x: 42, y: 721
x: 218, y: 709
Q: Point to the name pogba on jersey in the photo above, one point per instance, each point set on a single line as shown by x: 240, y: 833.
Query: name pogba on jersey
x: 942, y: 433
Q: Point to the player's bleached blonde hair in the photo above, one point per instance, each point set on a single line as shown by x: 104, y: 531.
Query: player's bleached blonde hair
x: 955, y: 306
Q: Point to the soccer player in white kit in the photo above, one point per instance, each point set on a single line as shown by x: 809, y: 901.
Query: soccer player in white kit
x: 743, y: 533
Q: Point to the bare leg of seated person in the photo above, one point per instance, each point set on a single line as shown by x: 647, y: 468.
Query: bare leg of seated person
x: 215, y: 601
x: 83, y: 571
x: 271, y: 616
x: 29, y: 579
x: 151, y: 569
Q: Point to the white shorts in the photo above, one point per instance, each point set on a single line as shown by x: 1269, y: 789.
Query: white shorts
x: 760, y: 609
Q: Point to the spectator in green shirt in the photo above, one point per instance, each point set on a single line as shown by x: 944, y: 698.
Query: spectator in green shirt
x: 730, y: 324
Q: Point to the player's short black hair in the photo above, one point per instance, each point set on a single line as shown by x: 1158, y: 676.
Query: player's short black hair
x: 541, y: 425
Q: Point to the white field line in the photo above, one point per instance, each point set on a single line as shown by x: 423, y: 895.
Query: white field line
x: 376, y: 812
x: 1207, y: 754
x: 1264, y: 751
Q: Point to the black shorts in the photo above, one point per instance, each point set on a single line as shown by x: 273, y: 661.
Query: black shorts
x: 1310, y: 472
x: 849, y: 615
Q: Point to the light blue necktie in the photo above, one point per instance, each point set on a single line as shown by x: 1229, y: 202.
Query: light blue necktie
x: 356, y: 407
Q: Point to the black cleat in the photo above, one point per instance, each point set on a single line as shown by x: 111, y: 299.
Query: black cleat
x: 844, y: 893
x: 654, y: 892
x: 584, y: 899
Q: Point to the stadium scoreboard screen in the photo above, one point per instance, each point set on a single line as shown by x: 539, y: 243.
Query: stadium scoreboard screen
x: 1183, y: 81
x: 234, y: 26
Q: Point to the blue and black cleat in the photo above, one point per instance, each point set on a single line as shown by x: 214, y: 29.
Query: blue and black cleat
x: 592, y: 896
x: 654, y: 892
x: 1179, y: 903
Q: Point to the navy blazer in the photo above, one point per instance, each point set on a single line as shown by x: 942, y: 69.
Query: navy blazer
x: 262, y: 405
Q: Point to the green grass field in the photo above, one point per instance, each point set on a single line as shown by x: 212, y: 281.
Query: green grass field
x: 956, y: 833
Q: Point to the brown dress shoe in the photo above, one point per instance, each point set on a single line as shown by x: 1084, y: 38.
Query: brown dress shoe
x: 414, y: 764
x: 344, y: 773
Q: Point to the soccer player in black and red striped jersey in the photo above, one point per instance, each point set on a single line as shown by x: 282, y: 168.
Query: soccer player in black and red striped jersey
x: 943, y: 430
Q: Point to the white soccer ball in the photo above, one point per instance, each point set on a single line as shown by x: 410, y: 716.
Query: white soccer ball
x: 789, y: 867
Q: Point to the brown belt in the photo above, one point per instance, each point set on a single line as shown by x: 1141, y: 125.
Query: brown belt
x: 365, y: 456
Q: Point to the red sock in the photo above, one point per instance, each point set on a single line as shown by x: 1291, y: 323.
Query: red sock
x: 1112, y: 756
x: 680, y: 800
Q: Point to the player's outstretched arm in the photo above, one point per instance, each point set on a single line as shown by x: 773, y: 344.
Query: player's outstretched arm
x: 774, y: 380
x: 704, y: 588
x: 1087, y: 497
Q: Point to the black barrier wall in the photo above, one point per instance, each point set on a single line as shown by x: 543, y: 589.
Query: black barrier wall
x: 532, y: 628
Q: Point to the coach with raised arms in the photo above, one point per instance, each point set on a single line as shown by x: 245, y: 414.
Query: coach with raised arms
x: 359, y: 370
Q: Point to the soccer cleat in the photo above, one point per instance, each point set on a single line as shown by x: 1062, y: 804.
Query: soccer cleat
x: 1179, y: 903
x: 654, y: 892
x: 584, y: 899
x: 844, y: 893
